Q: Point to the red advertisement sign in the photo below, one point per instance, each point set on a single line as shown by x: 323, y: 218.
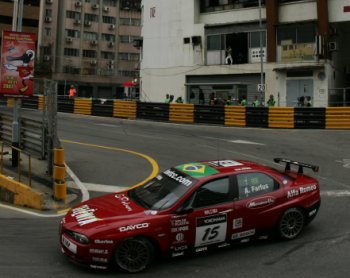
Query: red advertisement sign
x: 17, y: 63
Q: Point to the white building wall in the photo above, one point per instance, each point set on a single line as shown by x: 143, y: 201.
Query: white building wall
x: 336, y: 10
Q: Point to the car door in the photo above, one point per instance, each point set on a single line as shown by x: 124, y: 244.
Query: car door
x: 207, y: 222
x: 258, y: 197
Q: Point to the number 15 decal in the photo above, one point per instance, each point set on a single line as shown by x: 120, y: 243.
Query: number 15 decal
x: 211, y: 230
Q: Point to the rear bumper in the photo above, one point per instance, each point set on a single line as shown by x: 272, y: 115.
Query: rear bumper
x: 312, y: 211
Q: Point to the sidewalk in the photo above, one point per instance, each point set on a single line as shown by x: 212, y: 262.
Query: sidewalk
x: 37, y: 192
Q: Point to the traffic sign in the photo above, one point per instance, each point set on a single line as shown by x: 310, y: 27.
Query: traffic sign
x: 261, y: 88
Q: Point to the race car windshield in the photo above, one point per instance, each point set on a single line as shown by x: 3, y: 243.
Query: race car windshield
x: 163, y: 191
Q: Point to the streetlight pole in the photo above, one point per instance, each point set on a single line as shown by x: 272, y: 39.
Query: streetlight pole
x: 261, y: 54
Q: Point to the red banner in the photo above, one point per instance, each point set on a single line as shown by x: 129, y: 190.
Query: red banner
x: 17, y: 63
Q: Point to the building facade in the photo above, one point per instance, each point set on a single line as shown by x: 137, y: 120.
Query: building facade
x: 85, y: 43
x: 194, y: 48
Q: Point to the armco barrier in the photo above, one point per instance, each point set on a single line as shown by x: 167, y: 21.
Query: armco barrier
x: 309, y: 118
x: 102, y: 108
x: 124, y: 109
x: 281, y: 117
x: 65, y: 105
x: 82, y: 106
x: 181, y: 113
x: 209, y: 114
x: 153, y: 111
x: 235, y: 115
x: 257, y: 117
x: 31, y: 102
x: 41, y: 102
x: 338, y: 117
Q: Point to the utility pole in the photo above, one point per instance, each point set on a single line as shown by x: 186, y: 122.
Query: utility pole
x: 16, y: 27
x: 261, y: 56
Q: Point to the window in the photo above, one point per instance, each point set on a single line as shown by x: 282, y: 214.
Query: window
x: 129, y: 73
x: 128, y: 39
x: 108, y: 37
x: 92, y: 1
x: 71, y: 52
x: 292, y: 34
x: 90, y: 36
x: 214, y: 42
x: 212, y: 193
x: 47, y: 32
x: 91, y: 17
x: 73, y: 15
x: 255, y: 39
x: 89, y: 53
x: 48, y: 13
x: 108, y: 19
x: 255, y: 184
x: 107, y: 55
x: 130, y: 21
x: 112, y: 3
x: 72, y: 33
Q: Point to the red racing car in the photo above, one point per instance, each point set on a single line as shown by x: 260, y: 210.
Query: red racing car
x: 191, y: 208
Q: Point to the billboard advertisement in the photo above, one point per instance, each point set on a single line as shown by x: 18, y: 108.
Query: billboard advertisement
x: 17, y: 64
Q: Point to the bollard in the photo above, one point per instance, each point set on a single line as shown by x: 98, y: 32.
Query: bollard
x: 59, y: 157
x: 59, y: 172
x: 60, y: 191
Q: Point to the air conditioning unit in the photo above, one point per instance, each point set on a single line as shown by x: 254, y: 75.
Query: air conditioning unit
x: 110, y: 67
x: 106, y: 9
x: 49, y: 1
x: 93, y: 62
x: 94, y: 42
x: 111, y: 62
x: 78, y: 3
x: 110, y: 44
x: 332, y: 46
x: 77, y: 21
x: 87, y: 23
x: 69, y: 39
x: 48, y: 18
x: 95, y: 7
x: 111, y: 27
x: 46, y: 58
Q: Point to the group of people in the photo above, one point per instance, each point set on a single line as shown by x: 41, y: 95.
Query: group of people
x: 170, y: 98
x: 304, y: 101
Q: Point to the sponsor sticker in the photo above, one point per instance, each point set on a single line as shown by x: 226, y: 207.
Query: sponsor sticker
x: 124, y: 200
x: 225, y: 163
x: 177, y: 177
x: 197, y: 170
x: 103, y: 241
x: 301, y: 190
x: 260, y: 202
x: 84, y: 215
x: 134, y: 227
x: 211, y: 229
x: 243, y: 234
x: 237, y: 223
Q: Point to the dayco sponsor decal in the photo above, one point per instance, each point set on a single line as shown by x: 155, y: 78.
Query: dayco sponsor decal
x: 134, y: 227
x: 84, y: 215
x: 261, y: 202
x: 177, y: 177
x: 124, y: 200
x: 243, y: 234
x: 301, y: 190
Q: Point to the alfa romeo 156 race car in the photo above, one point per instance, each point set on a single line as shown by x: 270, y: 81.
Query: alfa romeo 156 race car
x: 191, y: 208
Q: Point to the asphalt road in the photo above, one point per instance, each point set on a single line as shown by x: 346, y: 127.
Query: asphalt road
x: 107, y: 153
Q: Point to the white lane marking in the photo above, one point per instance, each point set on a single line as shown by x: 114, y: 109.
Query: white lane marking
x: 80, y: 185
x: 336, y: 193
x: 345, y: 162
x: 99, y: 187
x: 107, y: 125
x: 245, y: 142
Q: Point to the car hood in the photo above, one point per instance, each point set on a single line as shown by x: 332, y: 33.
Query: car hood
x: 115, y: 208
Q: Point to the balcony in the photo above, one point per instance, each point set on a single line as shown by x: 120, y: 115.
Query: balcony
x: 220, y: 5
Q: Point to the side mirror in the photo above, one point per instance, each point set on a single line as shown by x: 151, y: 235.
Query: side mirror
x: 186, y: 210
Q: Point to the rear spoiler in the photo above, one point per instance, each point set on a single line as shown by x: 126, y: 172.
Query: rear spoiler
x: 301, y: 165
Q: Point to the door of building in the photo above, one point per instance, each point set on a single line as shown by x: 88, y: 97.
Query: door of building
x: 297, y: 88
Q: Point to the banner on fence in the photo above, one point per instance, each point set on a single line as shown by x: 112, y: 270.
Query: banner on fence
x: 17, y: 63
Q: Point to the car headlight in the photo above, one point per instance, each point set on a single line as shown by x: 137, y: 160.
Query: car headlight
x: 79, y: 237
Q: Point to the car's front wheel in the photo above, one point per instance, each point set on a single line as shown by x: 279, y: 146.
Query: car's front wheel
x: 134, y: 254
x: 291, y: 223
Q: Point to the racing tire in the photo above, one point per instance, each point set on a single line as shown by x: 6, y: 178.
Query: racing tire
x: 291, y: 223
x: 134, y: 254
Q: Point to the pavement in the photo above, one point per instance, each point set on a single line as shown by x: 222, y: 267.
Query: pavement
x: 34, y: 191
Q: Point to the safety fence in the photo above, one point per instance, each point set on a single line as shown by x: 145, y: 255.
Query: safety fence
x: 265, y: 117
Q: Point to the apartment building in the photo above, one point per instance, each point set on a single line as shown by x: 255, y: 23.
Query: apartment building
x: 85, y: 43
x: 213, y: 47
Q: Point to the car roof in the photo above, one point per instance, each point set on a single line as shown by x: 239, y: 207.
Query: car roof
x: 204, y: 169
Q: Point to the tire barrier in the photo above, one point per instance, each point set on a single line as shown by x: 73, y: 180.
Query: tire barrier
x: 309, y: 118
x: 338, y: 117
x: 103, y: 108
x: 124, y: 109
x: 209, y: 114
x: 281, y: 117
x: 181, y: 113
x: 235, y: 115
x: 59, y: 174
x: 82, y: 106
x: 257, y: 117
x: 153, y: 111
x: 266, y: 117
x: 31, y: 102
x: 65, y: 105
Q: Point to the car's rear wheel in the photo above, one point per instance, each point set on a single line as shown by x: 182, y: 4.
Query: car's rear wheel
x: 291, y: 223
x: 134, y: 254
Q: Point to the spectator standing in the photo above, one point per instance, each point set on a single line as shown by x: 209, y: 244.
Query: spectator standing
x: 244, y: 101
x: 179, y: 100
x: 271, y: 102
x: 308, y: 101
x: 167, y: 99
x: 228, y: 56
x: 256, y: 102
x: 72, y: 91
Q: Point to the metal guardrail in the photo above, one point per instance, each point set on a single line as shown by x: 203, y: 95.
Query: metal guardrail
x: 32, y: 137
